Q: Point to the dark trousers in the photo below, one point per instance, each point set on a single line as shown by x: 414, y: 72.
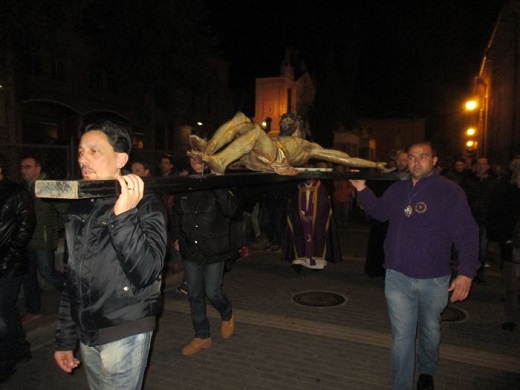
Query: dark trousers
x: 375, y: 253
x: 205, y: 282
x: 13, y: 344
x: 41, y: 261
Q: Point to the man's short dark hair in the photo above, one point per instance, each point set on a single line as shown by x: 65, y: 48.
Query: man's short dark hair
x: 37, y: 159
x: 434, y: 151
x: 169, y: 157
x: 144, y: 163
x: 116, y: 133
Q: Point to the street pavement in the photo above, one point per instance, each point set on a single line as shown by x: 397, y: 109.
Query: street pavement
x: 283, y: 343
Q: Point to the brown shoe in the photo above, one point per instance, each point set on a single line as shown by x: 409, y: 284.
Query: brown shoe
x: 196, y: 345
x: 228, y: 327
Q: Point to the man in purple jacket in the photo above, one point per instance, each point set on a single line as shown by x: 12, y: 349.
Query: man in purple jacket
x: 427, y: 215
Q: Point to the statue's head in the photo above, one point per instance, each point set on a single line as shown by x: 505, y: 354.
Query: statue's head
x: 291, y: 124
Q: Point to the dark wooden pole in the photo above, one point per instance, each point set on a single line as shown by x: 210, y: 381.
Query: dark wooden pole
x: 82, y: 189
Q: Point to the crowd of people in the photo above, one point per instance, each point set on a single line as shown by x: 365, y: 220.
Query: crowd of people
x: 137, y: 236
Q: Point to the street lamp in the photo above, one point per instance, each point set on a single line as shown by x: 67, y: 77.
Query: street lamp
x: 470, y: 132
x: 471, y: 105
x: 266, y: 124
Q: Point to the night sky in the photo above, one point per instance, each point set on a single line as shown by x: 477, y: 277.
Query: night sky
x: 400, y: 57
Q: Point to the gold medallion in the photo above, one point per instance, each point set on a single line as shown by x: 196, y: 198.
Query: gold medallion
x: 408, y: 211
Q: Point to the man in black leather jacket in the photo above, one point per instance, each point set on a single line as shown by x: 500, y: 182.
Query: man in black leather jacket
x: 116, y: 249
x: 201, y: 221
x: 17, y: 222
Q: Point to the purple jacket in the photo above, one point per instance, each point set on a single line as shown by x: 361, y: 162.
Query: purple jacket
x: 419, y: 241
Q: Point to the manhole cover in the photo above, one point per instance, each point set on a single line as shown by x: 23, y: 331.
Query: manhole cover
x: 451, y: 314
x: 319, y: 298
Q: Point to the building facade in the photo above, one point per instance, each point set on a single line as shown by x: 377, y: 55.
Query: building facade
x: 497, y: 91
x: 275, y: 96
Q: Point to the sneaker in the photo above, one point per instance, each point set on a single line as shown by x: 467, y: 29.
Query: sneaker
x: 196, y: 345
x: 228, y: 327
x: 28, y: 317
x: 182, y: 289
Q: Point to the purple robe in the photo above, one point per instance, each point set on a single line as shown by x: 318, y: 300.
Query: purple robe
x: 313, y: 242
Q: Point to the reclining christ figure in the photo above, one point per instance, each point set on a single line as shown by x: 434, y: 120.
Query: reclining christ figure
x: 248, y: 144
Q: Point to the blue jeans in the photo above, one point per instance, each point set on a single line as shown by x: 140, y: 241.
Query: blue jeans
x: 119, y: 365
x: 414, y: 308
x: 41, y: 260
x: 205, y: 281
x: 483, y: 244
x: 12, y: 335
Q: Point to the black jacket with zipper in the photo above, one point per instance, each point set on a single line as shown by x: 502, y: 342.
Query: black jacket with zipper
x: 113, y: 274
x: 201, y: 224
x: 17, y: 222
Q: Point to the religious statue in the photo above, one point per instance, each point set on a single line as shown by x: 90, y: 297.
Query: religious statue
x: 246, y: 142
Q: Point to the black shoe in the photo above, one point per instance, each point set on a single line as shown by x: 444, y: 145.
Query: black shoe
x: 425, y: 382
x: 510, y: 326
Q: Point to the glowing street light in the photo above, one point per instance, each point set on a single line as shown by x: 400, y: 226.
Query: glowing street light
x: 471, y: 105
x: 471, y: 131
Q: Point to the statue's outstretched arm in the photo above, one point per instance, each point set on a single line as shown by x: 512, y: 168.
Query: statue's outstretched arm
x: 342, y: 158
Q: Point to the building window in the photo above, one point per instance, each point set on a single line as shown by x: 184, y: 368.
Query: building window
x: 137, y: 140
x: 34, y: 65
x: 95, y: 81
x: 112, y: 83
x: 58, y: 71
x: 39, y: 132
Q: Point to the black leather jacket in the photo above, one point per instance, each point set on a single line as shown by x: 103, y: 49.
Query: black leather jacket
x: 17, y: 222
x: 113, y: 275
x: 201, y: 224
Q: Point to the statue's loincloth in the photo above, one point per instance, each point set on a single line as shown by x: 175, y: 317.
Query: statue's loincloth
x: 279, y: 164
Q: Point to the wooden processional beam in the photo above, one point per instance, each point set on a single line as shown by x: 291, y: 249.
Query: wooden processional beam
x: 84, y: 189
